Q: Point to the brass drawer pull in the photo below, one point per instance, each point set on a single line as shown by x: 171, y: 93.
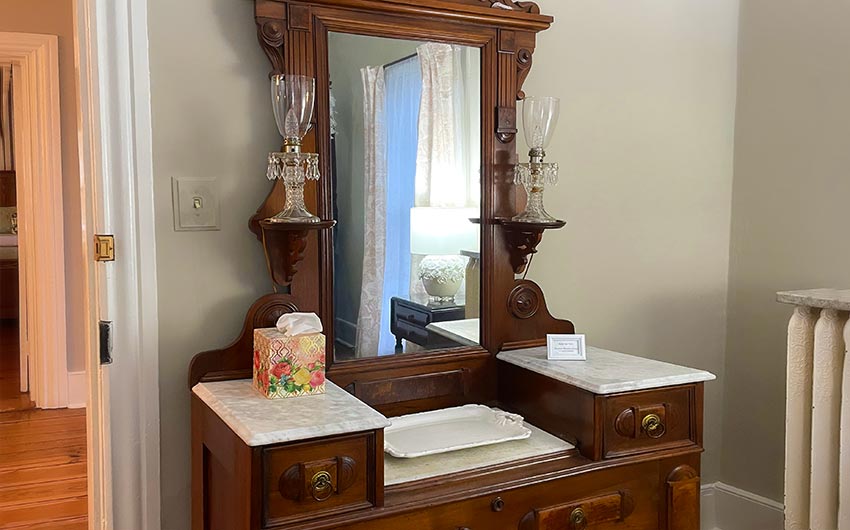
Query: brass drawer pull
x: 498, y: 504
x: 321, y: 486
x: 653, y: 426
x: 578, y: 519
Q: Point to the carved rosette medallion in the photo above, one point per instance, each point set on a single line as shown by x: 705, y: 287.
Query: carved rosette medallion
x: 523, y: 302
x: 267, y: 314
x: 270, y: 34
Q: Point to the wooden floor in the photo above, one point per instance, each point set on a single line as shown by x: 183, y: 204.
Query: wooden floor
x: 42, y: 457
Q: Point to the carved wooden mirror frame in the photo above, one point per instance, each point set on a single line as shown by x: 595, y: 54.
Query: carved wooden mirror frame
x: 294, y: 36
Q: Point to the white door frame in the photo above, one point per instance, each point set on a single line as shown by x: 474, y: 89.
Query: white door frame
x: 41, y: 244
x: 117, y: 183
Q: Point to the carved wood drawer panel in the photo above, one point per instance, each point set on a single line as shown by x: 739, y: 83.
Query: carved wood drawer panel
x: 622, y: 498
x: 317, y: 478
x: 595, y: 512
x: 652, y: 420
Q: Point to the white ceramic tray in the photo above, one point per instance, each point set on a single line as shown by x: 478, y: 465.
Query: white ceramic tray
x: 441, y: 431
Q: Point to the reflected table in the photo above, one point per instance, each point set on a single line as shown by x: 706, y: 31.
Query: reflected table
x: 409, y: 321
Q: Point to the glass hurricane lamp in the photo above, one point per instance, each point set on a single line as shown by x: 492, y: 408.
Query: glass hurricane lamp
x: 293, y: 101
x: 539, y: 119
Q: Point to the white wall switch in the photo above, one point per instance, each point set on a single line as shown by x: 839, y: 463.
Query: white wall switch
x: 195, y: 203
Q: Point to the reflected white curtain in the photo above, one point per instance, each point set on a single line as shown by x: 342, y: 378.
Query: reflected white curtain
x: 448, y: 158
x: 7, y: 152
x: 467, y: 97
x: 436, y: 167
x: 374, y: 239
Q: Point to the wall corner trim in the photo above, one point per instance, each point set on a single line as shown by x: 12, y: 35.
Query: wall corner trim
x: 726, y: 507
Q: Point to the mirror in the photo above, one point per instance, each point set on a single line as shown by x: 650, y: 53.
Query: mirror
x: 406, y: 180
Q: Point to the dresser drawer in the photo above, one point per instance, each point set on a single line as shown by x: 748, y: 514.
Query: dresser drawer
x: 652, y: 420
x: 318, y: 478
x: 610, y: 510
x: 412, y: 333
x: 412, y: 315
x: 621, y: 498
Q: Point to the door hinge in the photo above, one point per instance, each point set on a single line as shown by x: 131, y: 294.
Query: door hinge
x: 105, y: 341
x: 104, y: 247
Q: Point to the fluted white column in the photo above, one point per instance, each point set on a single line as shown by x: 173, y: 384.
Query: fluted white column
x: 844, y: 481
x: 798, y: 417
x: 826, y: 419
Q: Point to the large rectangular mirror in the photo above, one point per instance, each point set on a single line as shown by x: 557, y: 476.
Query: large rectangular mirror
x: 406, y: 179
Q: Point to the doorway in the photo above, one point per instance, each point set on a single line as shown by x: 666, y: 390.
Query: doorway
x: 11, y: 396
x: 43, y: 453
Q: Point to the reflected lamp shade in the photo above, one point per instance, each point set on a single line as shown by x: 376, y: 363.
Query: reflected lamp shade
x: 443, y: 231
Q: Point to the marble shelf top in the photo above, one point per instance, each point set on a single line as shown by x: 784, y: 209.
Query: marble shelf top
x: 823, y: 298
x: 399, y: 470
x: 606, y: 372
x: 258, y: 420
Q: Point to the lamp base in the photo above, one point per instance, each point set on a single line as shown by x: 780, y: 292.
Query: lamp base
x: 442, y: 276
x: 294, y: 215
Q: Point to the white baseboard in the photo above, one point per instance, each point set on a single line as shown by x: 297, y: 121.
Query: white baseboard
x: 77, y: 390
x: 726, y: 507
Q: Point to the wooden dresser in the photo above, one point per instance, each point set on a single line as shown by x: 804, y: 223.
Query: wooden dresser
x: 616, y: 440
x: 615, y: 444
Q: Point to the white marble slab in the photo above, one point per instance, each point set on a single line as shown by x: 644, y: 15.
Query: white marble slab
x: 400, y: 470
x: 258, y: 420
x: 838, y: 299
x: 606, y: 372
x: 464, y: 331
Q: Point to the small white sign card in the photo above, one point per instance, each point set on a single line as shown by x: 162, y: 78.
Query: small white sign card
x: 565, y: 348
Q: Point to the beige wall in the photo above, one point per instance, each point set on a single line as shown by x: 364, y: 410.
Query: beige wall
x: 56, y: 17
x: 790, y: 212
x: 645, y: 147
x: 211, y: 118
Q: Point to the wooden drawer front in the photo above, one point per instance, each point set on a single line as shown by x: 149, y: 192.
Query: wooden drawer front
x: 597, y: 512
x: 412, y: 333
x: 620, y: 498
x: 318, y: 478
x: 418, y: 318
x: 649, y: 421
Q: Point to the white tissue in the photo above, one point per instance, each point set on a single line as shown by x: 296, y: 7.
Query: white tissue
x: 294, y: 324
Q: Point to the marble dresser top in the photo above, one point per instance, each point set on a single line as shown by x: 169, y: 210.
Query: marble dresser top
x: 258, y: 420
x: 399, y: 470
x: 606, y: 372
x: 823, y: 298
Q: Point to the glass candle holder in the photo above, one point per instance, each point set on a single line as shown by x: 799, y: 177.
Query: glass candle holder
x: 539, y: 119
x: 293, y: 102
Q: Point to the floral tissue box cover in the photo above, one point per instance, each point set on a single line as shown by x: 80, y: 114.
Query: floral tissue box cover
x: 286, y: 366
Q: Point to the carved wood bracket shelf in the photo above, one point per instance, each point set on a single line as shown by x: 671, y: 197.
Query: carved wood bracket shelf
x: 285, y: 244
x: 523, y: 239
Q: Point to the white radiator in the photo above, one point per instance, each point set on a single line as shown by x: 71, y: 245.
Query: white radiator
x: 817, y: 419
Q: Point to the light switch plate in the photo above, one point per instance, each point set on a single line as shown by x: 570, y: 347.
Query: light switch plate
x: 196, y: 204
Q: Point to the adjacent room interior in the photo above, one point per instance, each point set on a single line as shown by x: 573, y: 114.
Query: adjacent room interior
x: 43, y: 390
